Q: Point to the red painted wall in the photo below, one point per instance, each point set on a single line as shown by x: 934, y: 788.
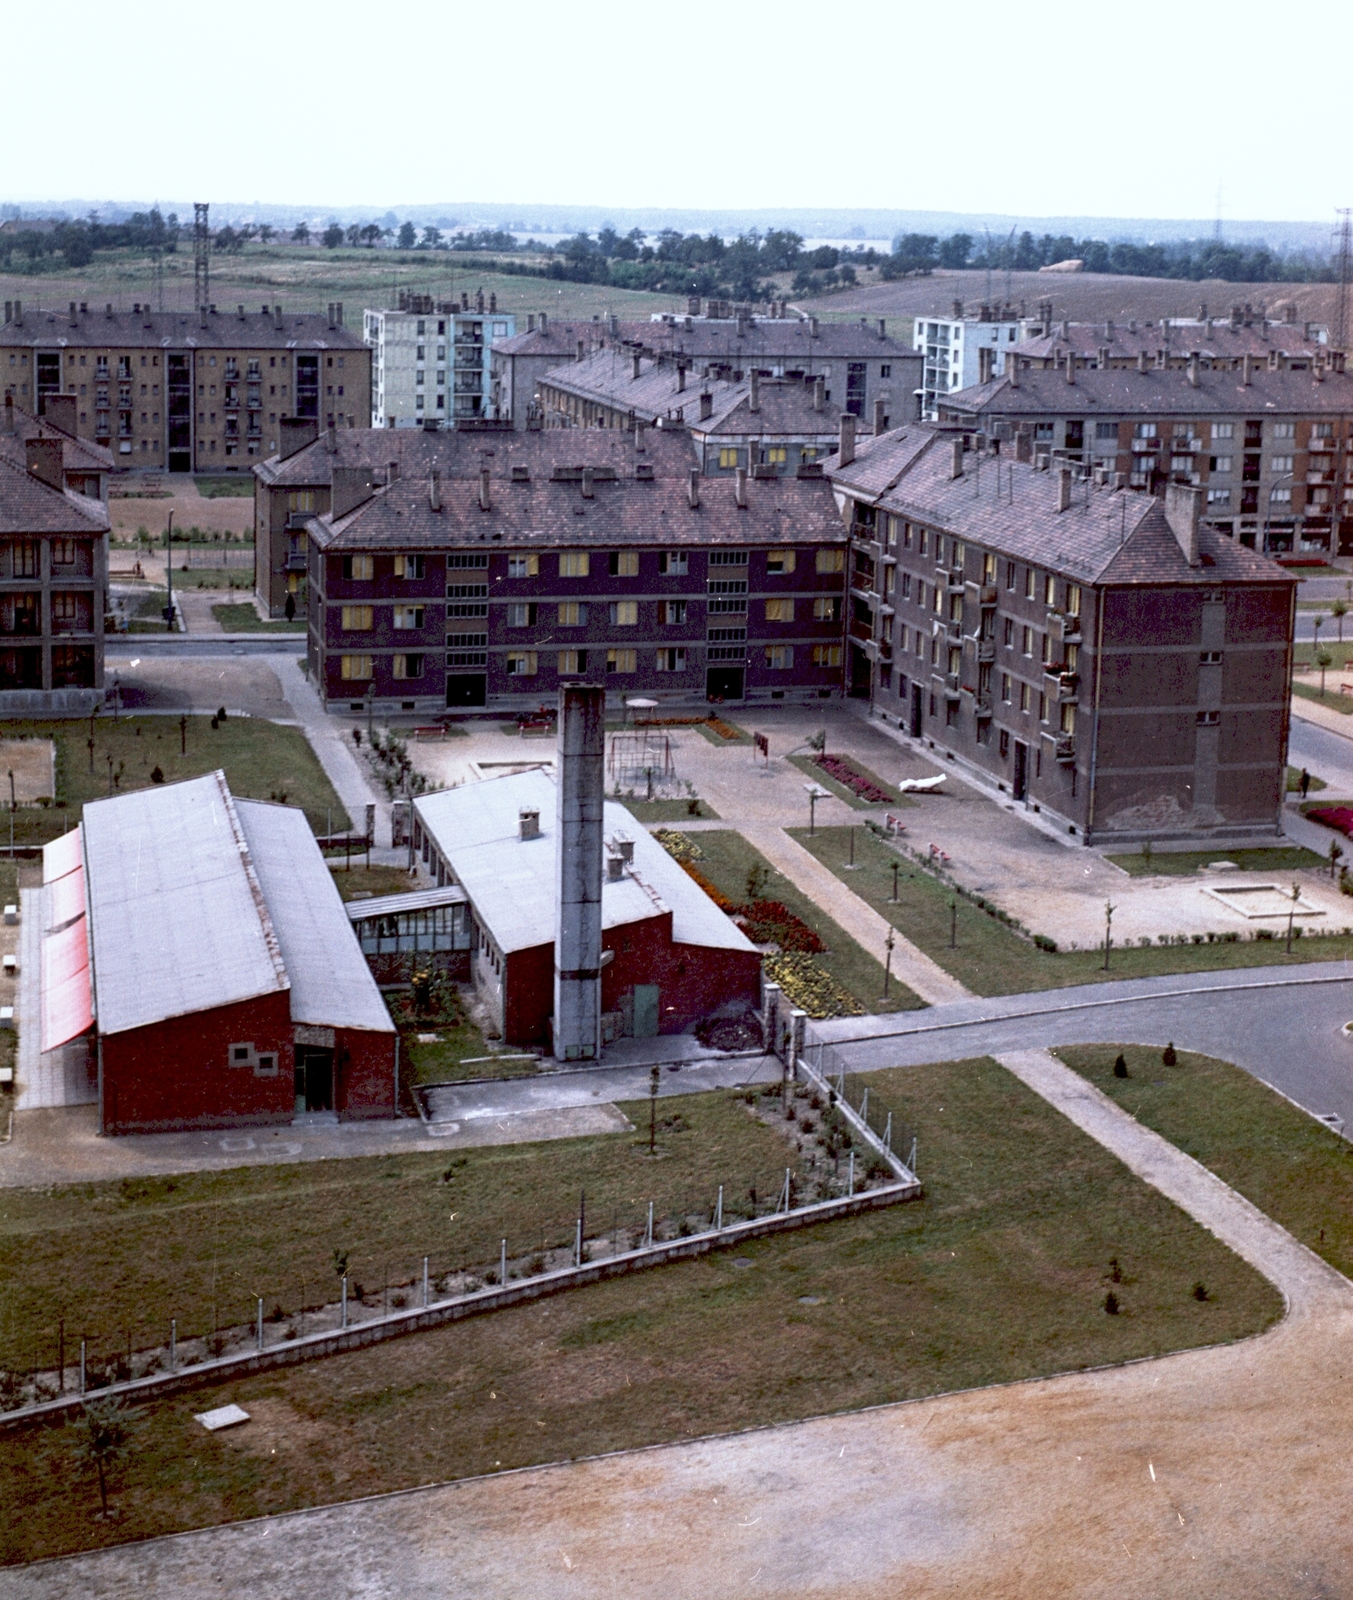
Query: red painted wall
x: 174, y: 1074
x: 364, y: 1075
x: 528, y: 995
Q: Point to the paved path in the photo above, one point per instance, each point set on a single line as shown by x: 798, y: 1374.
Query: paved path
x: 332, y: 744
x: 1213, y: 1473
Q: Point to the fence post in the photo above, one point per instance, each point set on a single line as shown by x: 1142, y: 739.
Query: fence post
x: 911, y: 1161
x: 851, y: 1189
x: 770, y: 1018
x: 260, y: 1322
x: 173, y: 1344
x: 786, y: 1193
x: 888, y: 1134
x: 345, y: 1301
x: 648, y: 1240
x: 425, y: 1283
x: 82, y: 1366
x: 578, y: 1243
x: 794, y: 1043
x: 502, y: 1265
x: 864, y: 1105
x: 718, y: 1212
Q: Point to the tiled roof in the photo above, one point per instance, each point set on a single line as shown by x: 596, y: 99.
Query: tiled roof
x: 28, y: 505
x: 76, y: 454
x: 1218, y: 341
x: 1009, y: 507
x: 780, y: 340
x: 175, y: 330
x: 547, y: 512
x: 1159, y: 391
x: 560, y: 339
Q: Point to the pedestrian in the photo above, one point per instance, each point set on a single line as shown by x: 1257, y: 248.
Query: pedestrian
x: 290, y: 608
x: 1305, y: 783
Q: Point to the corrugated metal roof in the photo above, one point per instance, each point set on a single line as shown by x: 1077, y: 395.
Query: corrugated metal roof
x: 61, y: 856
x: 66, y: 1001
x: 331, y: 984
x: 512, y: 881
x: 179, y: 922
x: 394, y: 905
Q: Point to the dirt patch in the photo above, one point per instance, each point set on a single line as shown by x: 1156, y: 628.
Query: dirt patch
x: 33, y: 765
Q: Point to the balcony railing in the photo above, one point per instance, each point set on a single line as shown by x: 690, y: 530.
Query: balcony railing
x: 986, y: 649
x: 951, y: 686
x: 1064, y: 749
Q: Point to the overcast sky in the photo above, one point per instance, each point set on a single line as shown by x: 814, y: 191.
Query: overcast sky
x: 1055, y: 109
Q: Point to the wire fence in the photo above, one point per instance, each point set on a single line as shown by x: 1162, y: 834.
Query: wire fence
x: 859, y: 1090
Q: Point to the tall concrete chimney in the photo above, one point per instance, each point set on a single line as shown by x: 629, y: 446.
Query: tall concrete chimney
x: 577, y: 933
x: 819, y: 393
x: 880, y: 421
x: 706, y: 405
x: 754, y: 401
x: 1141, y: 361
x: 847, y: 442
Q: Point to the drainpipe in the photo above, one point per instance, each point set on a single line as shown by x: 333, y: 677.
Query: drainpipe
x: 1088, y: 827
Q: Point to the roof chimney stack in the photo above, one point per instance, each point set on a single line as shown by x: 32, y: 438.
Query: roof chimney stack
x: 754, y: 400
x: 582, y: 354
x: 528, y: 822
x: 636, y: 358
x: 485, y: 504
x: 589, y: 490
x: 846, y: 446
x: 985, y: 356
x: 544, y: 320
x: 681, y: 377
x: 883, y: 327
x: 577, y: 933
x: 706, y: 405
x: 1012, y: 369
x: 530, y: 322
x: 819, y: 393
x: 812, y: 327
x: 1141, y: 361
x: 1245, y: 369
x: 331, y: 439
x: 880, y: 419
x: 693, y: 488
x: 435, y: 490
x: 1064, y: 488
x: 740, y: 488
x: 1193, y: 370
x: 1183, y: 505
x: 1071, y: 366
x: 43, y: 458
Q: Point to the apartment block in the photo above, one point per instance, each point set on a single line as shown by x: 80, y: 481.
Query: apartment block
x: 1266, y: 443
x: 201, y: 391
x: 962, y: 350
x: 1103, y: 657
x: 430, y: 362
x: 53, y: 587
x: 1221, y: 342
x: 555, y: 557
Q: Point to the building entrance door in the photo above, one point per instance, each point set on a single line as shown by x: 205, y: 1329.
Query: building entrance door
x: 466, y: 688
x: 314, y: 1078
x: 916, y: 710
x: 723, y: 683
x: 645, y: 1010
x: 1021, y: 783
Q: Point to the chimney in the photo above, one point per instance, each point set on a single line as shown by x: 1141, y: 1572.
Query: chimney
x: 544, y: 320
x: 9, y: 311
x: 294, y: 433
x: 985, y: 356
x: 1183, y: 504
x: 846, y: 447
x: 8, y: 425
x: 1193, y: 370
x: 1141, y: 361
x: 392, y: 473
x: 637, y: 358
x: 201, y: 315
x: 693, y: 488
x: 740, y: 488
x: 1012, y: 369
x: 1070, y: 366
x: 681, y: 377
x: 277, y: 318
x: 44, y: 460
x: 623, y: 846
x: 955, y: 458
x: 240, y: 310
x: 528, y: 823
x: 582, y: 354
x: 350, y: 487
x: 588, y: 491
x: 880, y: 419
x: 1064, y: 488
x: 577, y: 930
x: 435, y: 490
x: 754, y: 400
x: 1103, y: 358
x: 615, y: 869
x: 812, y: 327
x: 819, y: 393
x: 530, y: 322
x: 60, y: 412
x: 485, y: 504
x: 883, y: 327
x: 706, y: 405
x: 338, y: 312
x: 1245, y: 369
x: 18, y: 313
x: 331, y: 439
x: 493, y: 304
x: 72, y: 314
x: 331, y: 313
x: 958, y: 310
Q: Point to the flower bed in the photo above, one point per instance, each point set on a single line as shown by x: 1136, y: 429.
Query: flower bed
x: 725, y: 730
x: 860, y: 786
x: 1338, y: 817
x: 680, y: 846
x: 807, y: 986
x: 771, y: 922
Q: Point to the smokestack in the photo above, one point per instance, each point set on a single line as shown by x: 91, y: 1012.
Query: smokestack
x: 880, y: 423
x: 740, y: 488
x: 1064, y: 488
x: 577, y: 934
x: 530, y: 322
x: 484, y: 502
x: 693, y: 488
x: 706, y: 405
x: 544, y: 320
x: 846, y: 447
x: 1183, y: 504
x: 392, y: 473
x: 636, y: 359
x: 819, y: 393
x: 277, y: 318
x: 435, y: 490
x: 754, y: 402
x: 73, y: 318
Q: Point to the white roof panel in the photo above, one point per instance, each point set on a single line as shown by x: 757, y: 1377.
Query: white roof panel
x: 331, y: 984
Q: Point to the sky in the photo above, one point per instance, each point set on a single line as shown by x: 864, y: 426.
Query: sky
x: 1063, y: 109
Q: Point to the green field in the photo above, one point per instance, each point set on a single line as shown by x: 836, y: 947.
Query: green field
x: 1000, y: 1273
x: 670, y: 810
x: 225, y: 488
x: 245, y: 619
x: 262, y: 761
x: 992, y: 958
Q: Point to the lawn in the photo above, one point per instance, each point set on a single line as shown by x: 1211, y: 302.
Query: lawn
x: 670, y: 810
x: 233, y: 578
x: 1342, y: 703
x: 1294, y: 1169
x: 1000, y: 1273
x: 228, y: 488
x: 1161, y: 863
x: 358, y: 881
x: 458, y: 1053
x: 245, y: 619
x: 149, y: 614
x: 992, y: 958
x: 727, y: 858
x: 1294, y: 781
x: 262, y: 761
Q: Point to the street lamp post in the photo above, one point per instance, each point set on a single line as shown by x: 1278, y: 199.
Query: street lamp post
x: 169, y: 573
x: 1287, y: 477
x: 888, y: 944
x: 1109, y: 909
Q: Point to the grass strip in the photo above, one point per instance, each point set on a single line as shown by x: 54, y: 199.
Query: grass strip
x: 245, y: 619
x: 1171, y: 863
x: 807, y: 766
x: 1342, y: 703
x: 998, y: 1274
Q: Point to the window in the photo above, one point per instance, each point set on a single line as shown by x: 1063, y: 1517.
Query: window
x: 523, y: 566
x: 356, y: 619
x: 1044, y: 432
x: 571, y: 662
x: 777, y: 455
x: 410, y: 567
x: 359, y: 569
x: 241, y: 1055
x: 355, y: 667
x: 830, y: 561
x: 1005, y: 687
x: 1209, y: 658
x: 906, y: 586
x: 1049, y: 590
x: 63, y: 552
x: 1067, y: 720
x: 572, y: 613
x: 573, y: 564
x: 1024, y: 697
x: 672, y: 612
x: 728, y: 558
x: 1223, y: 430
x: 1280, y: 464
x: 1219, y: 465
x: 673, y: 563
x: 408, y: 617
x: 624, y: 614
x: 521, y: 663
x: 885, y: 371
x: 622, y: 661
x: 1284, y: 430
x: 779, y: 657
x: 779, y: 562
x: 826, y: 655
x: 1030, y: 579
x: 1144, y: 430
x: 1219, y: 497
x: 671, y: 660
x: 408, y: 666
x: 522, y: 615
x: 1027, y: 641
x: 728, y: 458
x: 1073, y: 599
x: 624, y: 563
x: 1106, y: 430
x: 1282, y: 497
x: 827, y: 609
x: 779, y: 611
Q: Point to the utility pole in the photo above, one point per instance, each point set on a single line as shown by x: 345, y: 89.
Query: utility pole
x: 1345, y: 272
x: 888, y: 944
x: 1108, y: 931
x: 169, y: 573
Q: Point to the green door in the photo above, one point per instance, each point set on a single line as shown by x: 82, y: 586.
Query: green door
x: 645, y: 1010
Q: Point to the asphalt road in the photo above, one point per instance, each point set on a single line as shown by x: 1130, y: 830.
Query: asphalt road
x: 1328, y: 755
x: 118, y: 647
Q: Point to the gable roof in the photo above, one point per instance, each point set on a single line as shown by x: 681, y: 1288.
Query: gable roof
x: 1159, y: 391
x: 175, y: 330
x: 28, y: 505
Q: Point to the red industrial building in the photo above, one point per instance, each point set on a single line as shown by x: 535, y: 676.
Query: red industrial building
x: 203, y: 940
x: 668, y: 956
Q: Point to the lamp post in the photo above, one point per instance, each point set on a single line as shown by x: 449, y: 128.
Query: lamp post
x: 1109, y: 909
x: 814, y: 795
x: 1291, y: 912
x: 888, y: 944
x: 1287, y: 477
x: 169, y: 573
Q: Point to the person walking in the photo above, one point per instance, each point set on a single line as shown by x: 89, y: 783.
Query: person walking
x: 290, y: 608
x: 1305, y: 783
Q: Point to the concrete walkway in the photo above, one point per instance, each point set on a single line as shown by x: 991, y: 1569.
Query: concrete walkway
x: 333, y: 747
x: 1211, y: 1474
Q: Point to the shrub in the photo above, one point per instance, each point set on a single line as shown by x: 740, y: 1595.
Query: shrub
x: 1168, y: 1056
x: 847, y: 776
x: 156, y: 775
x: 1200, y: 1291
x: 1044, y: 943
x: 1111, y: 1304
x: 1120, y: 1068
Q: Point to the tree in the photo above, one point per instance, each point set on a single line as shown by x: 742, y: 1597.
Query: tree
x: 265, y: 232
x: 371, y: 235
x: 355, y: 234
x: 1339, y: 610
x: 105, y: 1439
x: 1323, y: 659
x: 432, y: 237
x: 333, y: 236
x: 301, y: 233
x: 408, y: 236
x: 956, y: 250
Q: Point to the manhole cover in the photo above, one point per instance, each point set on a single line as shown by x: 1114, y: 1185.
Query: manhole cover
x: 741, y: 1261
x: 810, y: 1299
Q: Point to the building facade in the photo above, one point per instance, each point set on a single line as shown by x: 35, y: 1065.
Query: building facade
x: 53, y: 585
x: 430, y: 362
x: 961, y: 350
x: 573, y: 555
x: 1267, y: 445
x: 1102, y: 656
x: 202, y: 391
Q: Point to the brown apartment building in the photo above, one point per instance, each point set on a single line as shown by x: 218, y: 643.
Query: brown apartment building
x: 1104, y: 657
x: 53, y: 586
x: 1175, y: 341
x: 182, y: 391
x: 1267, y: 444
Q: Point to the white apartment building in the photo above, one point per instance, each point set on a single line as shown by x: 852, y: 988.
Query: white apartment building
x: 951, y: 350
x: 430, y: 364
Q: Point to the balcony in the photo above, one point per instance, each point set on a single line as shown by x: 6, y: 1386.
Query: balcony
x: 1313, y: 478
x: 953, y: 630
x: 953, y: 580
x: 987, y: 595
x: 986, y: 650
x: 1068, y: 685
x: 1064, y: 749
x: 982, y: 707
x: 1064, y: 629
x: 295, y: 561
x: 1145, y: 447
x: 951, y: 686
